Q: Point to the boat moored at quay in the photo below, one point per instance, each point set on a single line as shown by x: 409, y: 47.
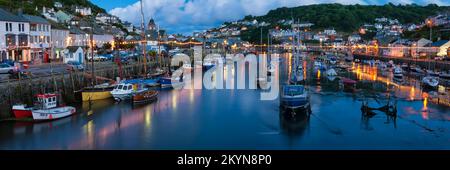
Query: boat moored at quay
x: 46, y: 108
x: 126, y: 89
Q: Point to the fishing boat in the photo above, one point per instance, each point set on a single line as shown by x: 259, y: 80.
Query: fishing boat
x: 405, y: 66
x: 430, y: 82
x: 319, y: 65
x: 349, y: 84
x: 98, y: 92
x: 390, y: 64
x: 445, y: 75
x: 294, y: 97
x: 331, y: 73
x: 157, y: 73
x: 398, y: 72
x: 169, y: 82
x: 145, y: 97
x: 417, y: 70
x: 127, y: 88
x: 333, y: 60
x: 46, y: 108
x: 382, y: 66
x: 151, y: 82
x: 432, y: 73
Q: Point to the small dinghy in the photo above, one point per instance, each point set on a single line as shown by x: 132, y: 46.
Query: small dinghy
x: 398, y: 72
x: 430, y: 82
x: 145, y: 97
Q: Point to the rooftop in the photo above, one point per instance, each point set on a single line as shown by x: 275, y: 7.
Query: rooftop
x: 8, y: 16
x: 35, y: 19
x: 439, y: 43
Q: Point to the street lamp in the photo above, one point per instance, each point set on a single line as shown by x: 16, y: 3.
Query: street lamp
x: 430, y: 24
x: 320, y: 42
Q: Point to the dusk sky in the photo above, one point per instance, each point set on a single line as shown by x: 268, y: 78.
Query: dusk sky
x: 186, y: 16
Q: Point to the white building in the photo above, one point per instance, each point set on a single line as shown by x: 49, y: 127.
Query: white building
x: 354, y: 38
x: 40, y: 38
x: 129, y: 27
x: 49, y: 13
x: 83, y: 10
x: 378, y: 26
x: 441, y: 47
x: 74, y: 53
x: 14, y: 42
x: 330, y: 31
x: 60, y: 40
x: 100, y: 39
x: 383, y: 19
x: 412, y: 27
x: 77, y: 37
x: 106, y: 18
x: 420, y: 47
x: 320, y: 37
x: 57, y: 5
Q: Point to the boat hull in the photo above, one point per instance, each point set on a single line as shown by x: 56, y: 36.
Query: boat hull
x: 295, y: 103
x: 18, y: 113
x: 121, y: 96
x: 52, y: 114
x: 95, y: 95
x: 207, y: 67
x: 145, y: 97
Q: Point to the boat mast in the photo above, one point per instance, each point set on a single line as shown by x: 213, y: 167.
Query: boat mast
x: 91, y: 37
x: 144, y: 40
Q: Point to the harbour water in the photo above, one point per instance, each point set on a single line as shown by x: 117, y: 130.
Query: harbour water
x: 238, y: 119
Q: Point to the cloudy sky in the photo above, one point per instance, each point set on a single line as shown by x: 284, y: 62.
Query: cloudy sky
x: 186, y: 16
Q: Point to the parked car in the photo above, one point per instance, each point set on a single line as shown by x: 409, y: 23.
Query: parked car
x: 6, y: 68
x: 108, y: 56
x: 19, y: 73
x: 97, y: 58
x: 73, y: 65
x: 9, y: 62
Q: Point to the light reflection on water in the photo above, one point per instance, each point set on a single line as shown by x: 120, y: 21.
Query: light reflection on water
x: 236, y: 119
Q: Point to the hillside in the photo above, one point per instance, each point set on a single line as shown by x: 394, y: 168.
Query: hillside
x: 344, y: 18
x: 29, y: 6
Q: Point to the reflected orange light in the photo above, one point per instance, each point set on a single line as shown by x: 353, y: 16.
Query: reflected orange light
x: 412, y: 93
x: 425, y: 105
x: 318, y: 74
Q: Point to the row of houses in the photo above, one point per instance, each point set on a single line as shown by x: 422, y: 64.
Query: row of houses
x: 416, y: 48
x: 24, y: 37
x: 33, y: 38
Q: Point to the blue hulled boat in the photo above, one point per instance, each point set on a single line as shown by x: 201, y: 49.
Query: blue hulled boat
x: 294, y: 97
x: 168, y: 82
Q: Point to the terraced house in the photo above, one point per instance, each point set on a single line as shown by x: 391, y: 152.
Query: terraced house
x: 14, y: 41
x: 40, y: 38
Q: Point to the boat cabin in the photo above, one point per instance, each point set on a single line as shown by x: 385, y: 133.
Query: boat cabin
x: 129, y: 85
x: 293, y: 90
x: 47, y: 101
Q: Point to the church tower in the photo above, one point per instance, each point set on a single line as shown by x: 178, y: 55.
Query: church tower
x: 151, y: 25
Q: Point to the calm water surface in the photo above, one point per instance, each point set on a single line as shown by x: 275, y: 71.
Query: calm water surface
x: 237, y: 119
